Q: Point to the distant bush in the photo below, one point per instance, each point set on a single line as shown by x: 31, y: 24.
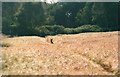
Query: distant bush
x: 59, y: 29
x: 84, y: 28
x: 49, y: 30
x: 88, y: 28
x: 55, y: 29
x: 68, y: 30
x: 41, y: 31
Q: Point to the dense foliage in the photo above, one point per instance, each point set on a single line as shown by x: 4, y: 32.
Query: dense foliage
x: 39, y: 18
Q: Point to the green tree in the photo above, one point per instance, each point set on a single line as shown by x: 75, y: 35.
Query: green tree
x: 64, y: 13
x: 119, y: 15
x: 49, y: 18
x: 9, y: 10
x: 84, y: 16
x: 31, y: 17
x: 99, y: 15
x: 105, y: 15
x: 112, y: 15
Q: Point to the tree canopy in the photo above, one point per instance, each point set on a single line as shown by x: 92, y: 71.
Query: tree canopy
x: 40, y: 18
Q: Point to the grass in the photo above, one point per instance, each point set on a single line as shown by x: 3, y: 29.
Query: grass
x: 8, y: 61
x: 4, y: 45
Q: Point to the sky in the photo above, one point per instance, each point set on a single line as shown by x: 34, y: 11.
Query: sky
x: 90, y: 0
x: 49, y: 1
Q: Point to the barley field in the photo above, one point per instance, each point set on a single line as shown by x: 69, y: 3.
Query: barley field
x: 72, y: 54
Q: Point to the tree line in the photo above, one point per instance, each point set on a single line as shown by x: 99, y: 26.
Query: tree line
x: 40, y: 18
